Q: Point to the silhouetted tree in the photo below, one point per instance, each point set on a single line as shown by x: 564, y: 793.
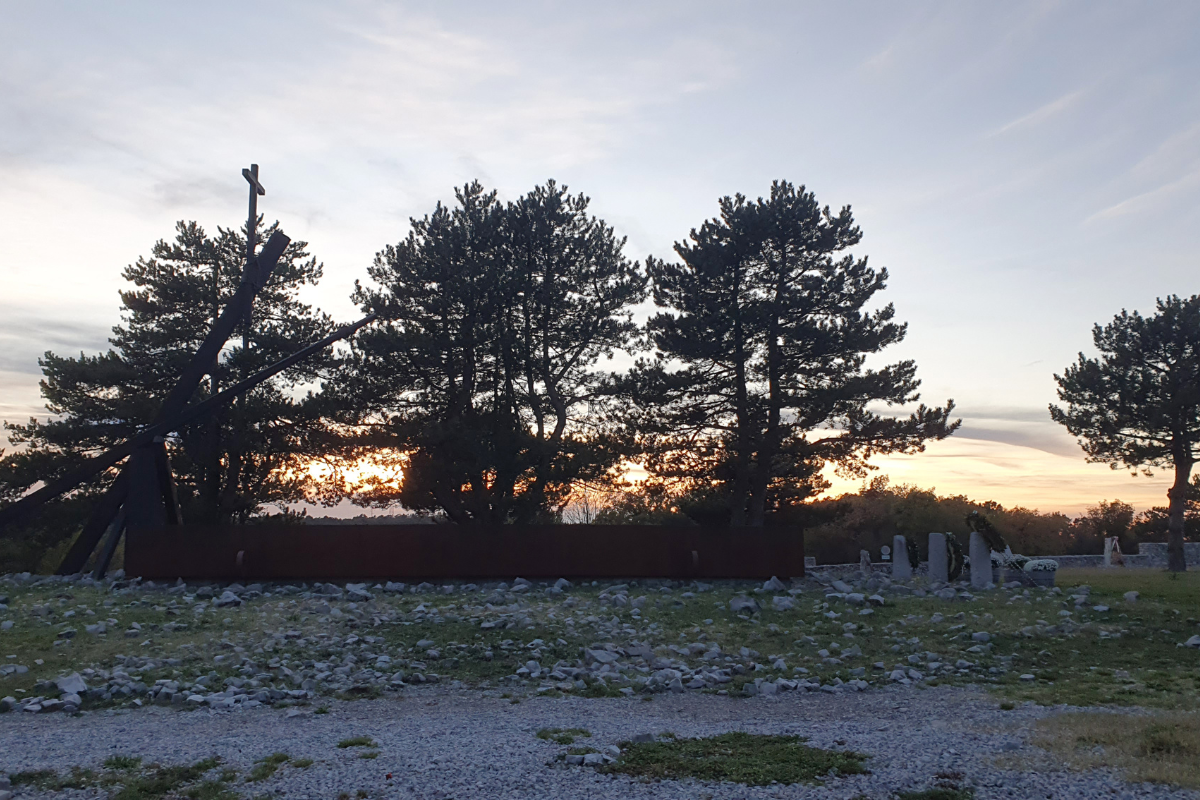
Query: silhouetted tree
x: 760, y: 379
x: 227, y: 467
x: 1138, y: 404
x: 1098, y: 522
x: 483, y: 372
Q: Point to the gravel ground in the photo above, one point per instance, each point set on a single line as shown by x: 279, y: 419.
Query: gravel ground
x: 442, y: 743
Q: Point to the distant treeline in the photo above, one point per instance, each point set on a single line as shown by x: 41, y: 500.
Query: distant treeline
x: 836, y: 529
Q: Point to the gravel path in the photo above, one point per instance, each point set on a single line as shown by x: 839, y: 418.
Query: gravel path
x: 442, y: 743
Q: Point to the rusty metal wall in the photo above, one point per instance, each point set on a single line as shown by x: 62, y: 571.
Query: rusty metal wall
x: 412, y: 552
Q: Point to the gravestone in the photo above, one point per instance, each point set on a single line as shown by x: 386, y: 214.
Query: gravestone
x: 864, y: 563
x: 981, y: 561
x: 939, y: 568
x: 901, y: 569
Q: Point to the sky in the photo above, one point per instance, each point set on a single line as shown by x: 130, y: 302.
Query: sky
x: 1024, y: 170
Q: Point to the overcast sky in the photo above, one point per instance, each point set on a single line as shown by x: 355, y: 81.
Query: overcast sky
x: 1023, y: 170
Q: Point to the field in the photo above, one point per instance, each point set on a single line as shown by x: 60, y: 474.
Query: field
x: 1102, y: 650
x: 1083, y: 644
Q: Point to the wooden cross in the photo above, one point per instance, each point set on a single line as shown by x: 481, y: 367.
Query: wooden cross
x: 256, y: 188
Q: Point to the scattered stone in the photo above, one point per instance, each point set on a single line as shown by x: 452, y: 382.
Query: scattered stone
x: 774, y: 585
x: 746, y: 604
x: 1193, y: 642
x: 1131, y: 597
x: 71, y: 684
x: 227, y: 598
x: 601, y: 656
x: 784, y: 603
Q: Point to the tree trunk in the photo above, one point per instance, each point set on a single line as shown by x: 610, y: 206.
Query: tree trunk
x: 1178, y: 497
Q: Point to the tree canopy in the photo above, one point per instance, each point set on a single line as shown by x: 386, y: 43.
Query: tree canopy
x: 1137, y: 405
x: 760, y: 378
x: 484, y: 371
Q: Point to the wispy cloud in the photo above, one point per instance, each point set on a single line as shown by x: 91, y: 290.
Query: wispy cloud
x: 1149, y: 200
x: 1040, y: 114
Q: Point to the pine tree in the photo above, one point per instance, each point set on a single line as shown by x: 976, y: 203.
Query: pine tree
x: 1138, y: 405
x: 484, y: 371
x: 229, y: 466
x: 760, y: 379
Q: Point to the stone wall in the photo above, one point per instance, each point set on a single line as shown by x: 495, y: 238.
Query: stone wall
x: 1154, y: 554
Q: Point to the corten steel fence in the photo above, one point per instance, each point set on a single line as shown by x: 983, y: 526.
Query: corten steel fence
x: 303, y: 552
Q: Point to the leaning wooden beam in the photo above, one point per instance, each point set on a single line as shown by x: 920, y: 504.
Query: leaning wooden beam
x: 106, y: 510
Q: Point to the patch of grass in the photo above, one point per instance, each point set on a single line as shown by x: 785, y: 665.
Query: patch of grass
x: 370, y: 755
x: 737, y: 757
x: 1007, y: 706
x: 1179, y: 591
x: 357, y: 741
x: 266, y: 767
x: 210, y: 790
x: 360, y: 692
x: 938, y: 793
x: 154, y: 781
x: 322, y: 710
x: 302, y: 763
x: 41, y: 778
x: 563, y: 735
x: 160, y: 781
x: 1160, y: 748
x: 581, y: 751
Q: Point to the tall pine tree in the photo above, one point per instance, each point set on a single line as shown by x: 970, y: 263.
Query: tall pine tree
x: 484, y: 372
x: 761, y: 377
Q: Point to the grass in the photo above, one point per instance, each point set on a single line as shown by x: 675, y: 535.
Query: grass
x: 125, y: 778
x: 370, y: 755
x: 1132, y: 647
x: 563, y: 735
x: 1159, y: 747
x: 754, y: 760
x: 266, y: 767
x: 938, y: 793
x: 357, y: 741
